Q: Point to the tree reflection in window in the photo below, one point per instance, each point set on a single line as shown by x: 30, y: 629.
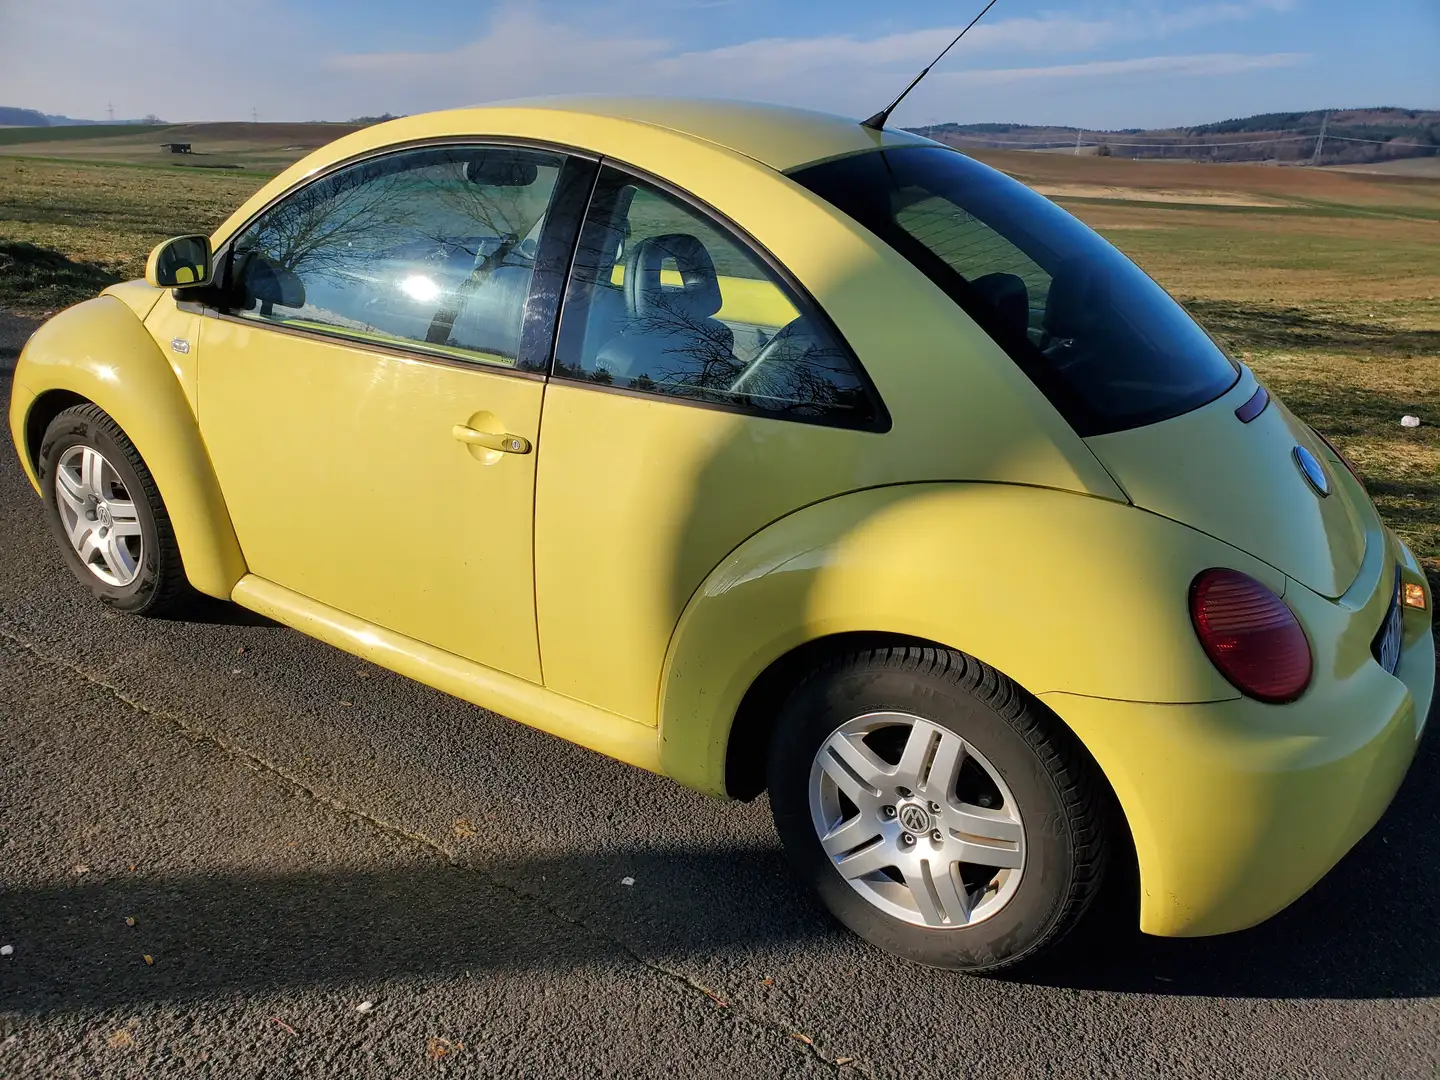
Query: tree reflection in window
x: 431, y: 246
x: 662, y: 300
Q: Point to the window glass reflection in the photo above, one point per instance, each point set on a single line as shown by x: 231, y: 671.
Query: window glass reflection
x: 432, y: 247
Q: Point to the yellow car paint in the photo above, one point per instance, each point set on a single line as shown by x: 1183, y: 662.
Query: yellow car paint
x: 683, y: 486
x: 1319, y: 541
x: 360, y: 496
x: 519, y: 699
x: 678, y: 551
x: 177, y: 332
x: 941, y: 562
x: 1237, y: 808
x: 99, y: 351
x: 136, y: 295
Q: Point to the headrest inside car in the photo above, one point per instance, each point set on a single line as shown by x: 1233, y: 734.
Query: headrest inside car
x: 646, y: 294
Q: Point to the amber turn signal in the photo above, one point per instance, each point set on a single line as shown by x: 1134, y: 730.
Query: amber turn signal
x: 1413, y: 596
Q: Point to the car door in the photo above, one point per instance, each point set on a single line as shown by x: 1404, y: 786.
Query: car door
x: 697, y: 396
x: 370, y: 389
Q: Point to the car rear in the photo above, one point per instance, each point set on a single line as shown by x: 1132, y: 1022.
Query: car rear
x: 1333, y: 674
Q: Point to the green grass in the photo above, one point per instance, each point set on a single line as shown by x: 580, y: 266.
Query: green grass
x: 260, y: 147
x: 1335, y: 306
x: 179, y: 163
x: 10, y: 136
x: 104, y: 217
x: 35, y: 277
x: 1310, y: 209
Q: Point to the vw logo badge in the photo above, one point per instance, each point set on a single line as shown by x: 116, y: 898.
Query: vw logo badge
x: 914, y: 818
x: 1313, y: 471
x: 103, y: 513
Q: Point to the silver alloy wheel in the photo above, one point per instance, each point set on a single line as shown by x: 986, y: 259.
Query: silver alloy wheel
x: 99, y: 516
x: 907, y: 836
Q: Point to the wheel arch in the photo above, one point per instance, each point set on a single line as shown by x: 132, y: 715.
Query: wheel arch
x: 747, y: 748
x: 42, y: 411
x: 1061, y: 591
x: 98, y: 352
x: 748, y: 743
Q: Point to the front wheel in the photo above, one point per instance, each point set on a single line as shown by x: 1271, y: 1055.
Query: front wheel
x: 107, y: 514
x: 938, y: 810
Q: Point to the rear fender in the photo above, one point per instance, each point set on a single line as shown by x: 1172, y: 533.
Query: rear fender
x: 101, y: 352
x: 1062, y: 592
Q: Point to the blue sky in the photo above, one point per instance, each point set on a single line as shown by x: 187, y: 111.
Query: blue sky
x: 1123, y: 63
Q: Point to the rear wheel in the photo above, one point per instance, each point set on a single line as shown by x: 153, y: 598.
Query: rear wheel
x: 938, y: 810
x: 107, y: 514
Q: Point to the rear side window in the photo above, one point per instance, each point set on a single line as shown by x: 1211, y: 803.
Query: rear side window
x: 665, y: 300
x: 1109, y: 347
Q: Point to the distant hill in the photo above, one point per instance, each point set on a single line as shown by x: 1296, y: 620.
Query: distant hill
x: 13, y: 117
x: 1352, y: 137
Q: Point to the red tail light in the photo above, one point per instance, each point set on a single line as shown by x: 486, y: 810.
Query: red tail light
x: 1250, y: 635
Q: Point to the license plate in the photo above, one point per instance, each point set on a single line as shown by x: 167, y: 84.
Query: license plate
x: 1387, y: 642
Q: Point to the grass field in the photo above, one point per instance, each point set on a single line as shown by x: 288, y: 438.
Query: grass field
x: 257, y: 147
x: 14, y: 136
x: 1326, y: 282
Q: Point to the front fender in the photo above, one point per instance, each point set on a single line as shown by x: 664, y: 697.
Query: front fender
x: 102, y: 352
x: 1062, y: 592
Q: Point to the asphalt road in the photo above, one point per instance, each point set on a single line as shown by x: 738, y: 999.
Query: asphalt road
x: 295, y: 832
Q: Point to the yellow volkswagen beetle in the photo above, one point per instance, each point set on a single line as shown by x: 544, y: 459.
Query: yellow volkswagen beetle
x: 767, y: 451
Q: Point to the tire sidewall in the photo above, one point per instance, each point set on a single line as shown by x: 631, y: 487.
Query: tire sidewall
x: 71, y: 429
x: 821, y: 705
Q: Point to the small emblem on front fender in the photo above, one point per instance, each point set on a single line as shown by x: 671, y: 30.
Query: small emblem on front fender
x: 179, y: 345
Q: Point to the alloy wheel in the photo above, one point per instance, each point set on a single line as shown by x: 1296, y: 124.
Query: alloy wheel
x: 916, y: 820
x: 99, y: 516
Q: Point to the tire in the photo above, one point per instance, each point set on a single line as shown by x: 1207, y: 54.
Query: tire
x: 1035, y: 807
x: 140, y: 572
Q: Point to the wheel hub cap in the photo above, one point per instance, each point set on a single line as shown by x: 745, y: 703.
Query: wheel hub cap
x: 916, y: 820
x: 99, y: 516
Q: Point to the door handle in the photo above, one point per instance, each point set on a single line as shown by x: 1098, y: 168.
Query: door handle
x: 505, y: 443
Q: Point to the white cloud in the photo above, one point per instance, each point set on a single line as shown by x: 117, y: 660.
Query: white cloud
x: 1202, y: 64
x: 220, y: 61
x: 518, y: 49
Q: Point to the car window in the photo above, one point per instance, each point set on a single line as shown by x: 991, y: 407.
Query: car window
x: 432, y: 248
x: 1109, y: 347
x: 992, y: 264
x: 664, y: 300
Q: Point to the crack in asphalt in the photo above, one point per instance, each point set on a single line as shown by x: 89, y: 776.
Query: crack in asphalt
x: 838, y: 1062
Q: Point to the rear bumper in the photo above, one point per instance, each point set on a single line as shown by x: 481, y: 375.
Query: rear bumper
x: 1238, y: 808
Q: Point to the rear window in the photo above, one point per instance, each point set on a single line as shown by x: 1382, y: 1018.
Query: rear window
x: 1109, y: 347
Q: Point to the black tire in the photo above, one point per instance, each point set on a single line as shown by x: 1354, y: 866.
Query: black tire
x: 160, y: 588
x: 1059, y: 799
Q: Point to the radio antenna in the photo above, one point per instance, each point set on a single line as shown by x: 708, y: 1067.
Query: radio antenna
x: 877, y: 121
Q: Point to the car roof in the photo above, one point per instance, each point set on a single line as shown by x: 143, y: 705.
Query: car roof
x: 775, y: 135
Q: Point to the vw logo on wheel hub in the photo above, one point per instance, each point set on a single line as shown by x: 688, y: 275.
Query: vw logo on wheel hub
x: 102, y: 514
x: 915, y: 818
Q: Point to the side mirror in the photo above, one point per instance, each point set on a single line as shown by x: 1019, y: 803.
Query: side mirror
x: 179, y: 263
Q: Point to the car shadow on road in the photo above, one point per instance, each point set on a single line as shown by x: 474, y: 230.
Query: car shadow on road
x: 210, y: 611
x: 1367, y: 931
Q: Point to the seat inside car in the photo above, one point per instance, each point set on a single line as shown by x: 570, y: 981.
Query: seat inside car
x: 669, y: 334
x: 1008, y: 296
